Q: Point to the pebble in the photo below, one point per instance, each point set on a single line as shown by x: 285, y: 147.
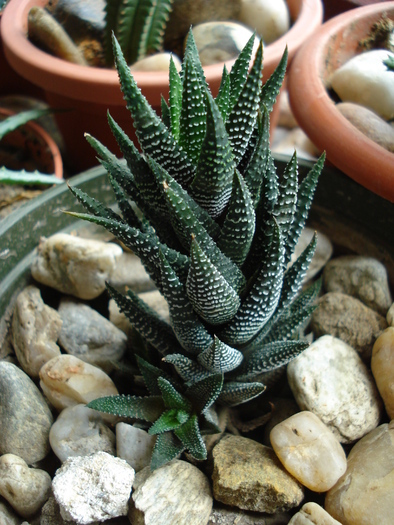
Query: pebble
x: 269, y: 18
x: 369, y: 123
x: 309, y: 451
x: 330, y: 380
x: 364, y: 495
x: 312, y: 514
x: 26, y: 489
x: 68, y: 381
x: 73, y: 265
x: 25, y: 418
x: 95, y: 487
x: 89, y: 336
x: 156, y: 62
x: 249, y: 476
x: 362, y: 277
x: 176, y: 494
x: 8, y: 516
x: 347, y: 318
x: 323, y: 252
x: 390, y: 316
x: 80, y: 431
x: 282, y: 408
x: 227, y: 516
x: 35, y: 330
x: 220, y: 41
x: 297, y: 140
x: 134, y: 445
x: 129, y: 272
x: 50, y: 514
x: 365, y: 80
x: 382, y: 366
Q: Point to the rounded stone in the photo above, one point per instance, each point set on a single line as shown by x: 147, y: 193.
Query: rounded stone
x: 134, y: 445
x: 382, y: 366
x: 25, y: 418
x: 156, y: 62
x: 269, y: 18
x: 312, y: 514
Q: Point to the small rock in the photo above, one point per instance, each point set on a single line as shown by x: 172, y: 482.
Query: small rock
x: 362, y: 277
x: 175, y: 494
x: 8, y: 516
x: 80, y: 19
x: 134, y: 445
x: 312, y: 514
x: 26, y: 489
x: 286, y: 142
x: 89, y: 336
x: 322, y: 254
x: 282, y: 408
x: 248, y: 475
x: 95, y: 487
x: 382, y: 366
x: 286, y: 117
x: 68, y: 381
x: 309, y: 451
x: 50, y: 514
x: 25, y: 418
x: 228, y: 516
x: 129, y: 272
x: 220, y: 41
x: 390, y: 316
x: 330, y: 380
x: 80, y: 431
x: 364, y: 494
x: 269, y: 18
x: 347, y: 318
x: 35, y: 330
x: 365, y: 80
x: 75, y: 266
x: 369, y: 123
x: 156, y: 62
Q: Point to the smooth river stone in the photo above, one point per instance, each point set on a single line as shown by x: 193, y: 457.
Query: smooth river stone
x: 364, y: 494
x: 330, y: 380
x: 382, y: 366
x: 269, y: 18
x: 134, y: 445
x: 390, y: 316
x: 365, y: 80
x: 68, y: 381
x: 35, y: 331
x: 309, y: 451
x: 312, y: 514
x: 156, y: 62
x: 25, y: 418
x: 75, y: 266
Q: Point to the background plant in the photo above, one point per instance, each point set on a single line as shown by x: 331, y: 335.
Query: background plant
x: 216, y: 230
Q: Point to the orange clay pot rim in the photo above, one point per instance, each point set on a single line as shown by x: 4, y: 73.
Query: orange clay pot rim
x: 53, y: 147
x: 18, y: 48
x: 308, y: 80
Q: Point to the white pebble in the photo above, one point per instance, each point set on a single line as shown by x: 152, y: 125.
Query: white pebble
x: 269, y: 18
x: 134, y: 445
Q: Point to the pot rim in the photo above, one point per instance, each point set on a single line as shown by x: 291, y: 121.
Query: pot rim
x: 330, y: 130
x: 57, y: 75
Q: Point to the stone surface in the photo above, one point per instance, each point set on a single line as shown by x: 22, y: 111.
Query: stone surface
x: 176, y: 493
x: 73, y: 265
x: 50, y: 513
x: 390, y: 316
x: 156, y: 62
x: 25, y: 418
x: 89, y: 336
x: 362, y: 277
x: 35, y: 330
x: 227, y: 516
x: 347, y: 318
x: 134, y: 445
x: 248, y: 475
x: 8, y: 516
x: 26, y: 489
x: 80, y: 431
x: 330, y: 380
x: 364, y: 494
x: 95, y: 487
x: 322, y: 254
x: 365, y: 80
x: 269, y: 18
x: 309, y: 451
x: 382, y: 366
x: 129, y: 272
x: 220, y: 41
x: 282, y: 408
x: 369, y: 123
x: 312, y: 514
x: 68, y: 381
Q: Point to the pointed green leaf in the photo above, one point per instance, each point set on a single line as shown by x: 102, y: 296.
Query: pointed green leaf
x: 220, y: 358
x: 234, y: 393
x: 145, y: 408
x: 167, y: 447
x: 286, y: 204
x: 151, y: 374
x: 165, y: 113
x: 175, y: 99
x: 190, y: 435
x: 223, y: 98
x: 273, y: 85
x: 187, y: 369
x: 204, y: 393
x: 239, y: 71
x: 169, y: 420
x: 171, y: 397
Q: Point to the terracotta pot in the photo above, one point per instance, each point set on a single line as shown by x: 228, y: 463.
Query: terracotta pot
x: 347, y: 148
x: 89, y: 92
x: 31, y: 148
x: 336, y: 7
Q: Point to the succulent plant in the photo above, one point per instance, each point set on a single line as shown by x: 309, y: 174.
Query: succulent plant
x: 216, y: 229
x: 138, y: 25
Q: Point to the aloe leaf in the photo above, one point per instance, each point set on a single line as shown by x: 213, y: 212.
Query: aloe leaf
x: 190, y: 435
x: 147, y: 408
x: 175, y: 99
x: 20, y: 119
x: 186, y: 368
x: 155, y: 21
x: 165, y: 112
x: 111, y: 21
x: 287, y: 325
x: 167, y: 447
x: 220, y: 358
x: 151, y: 375
x: 171, y: 397
x: 204, y: 392
x: 239, y: 71
x: 223, y: 98
x: 287, y: 200
x: 27, y: 178
x: 273, y: 85
x: 234, y: 393
x: 169, y: 420
x: 191, y: 53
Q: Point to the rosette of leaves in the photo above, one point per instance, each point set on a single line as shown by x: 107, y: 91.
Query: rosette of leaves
x: 216, y: 230
x: 138, y: 25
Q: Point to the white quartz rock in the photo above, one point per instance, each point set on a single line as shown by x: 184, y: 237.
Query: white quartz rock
x: 312, y: 514
x: 68, y: 381
x: 365, y: 80
x: 75, y: 266
x: 330, y: 380
x: 91, y: 488
x: 156, y: 62
x: 26, y: 489
x: 134, y: 445
x: 309, y: 451
x: 80, y: 431
x: 269, y: 18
